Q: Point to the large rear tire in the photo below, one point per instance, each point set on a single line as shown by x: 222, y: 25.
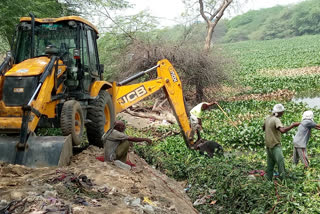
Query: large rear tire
x: 72, y: 121
x: 101, y: 116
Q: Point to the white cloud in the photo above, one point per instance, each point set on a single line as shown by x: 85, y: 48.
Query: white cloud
x: 168, y: 11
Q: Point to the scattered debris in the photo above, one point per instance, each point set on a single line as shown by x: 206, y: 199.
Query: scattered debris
x: 200, y: 201
x: 251, y: 177
x: 187, y: 188
x: 213, y: 202
x: 205, y: 198
x: 257, y: 172
x: 100, y: 158
x: 147, y: 200
x: 122, y: 165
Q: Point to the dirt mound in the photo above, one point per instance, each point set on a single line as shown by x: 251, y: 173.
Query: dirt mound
x: 90, y: 186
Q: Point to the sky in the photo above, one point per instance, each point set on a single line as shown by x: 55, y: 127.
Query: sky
x: 168, y: 10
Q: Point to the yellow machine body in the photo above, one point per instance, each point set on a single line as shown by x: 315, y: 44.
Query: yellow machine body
x: 64, y: 91
x: 43, y: 75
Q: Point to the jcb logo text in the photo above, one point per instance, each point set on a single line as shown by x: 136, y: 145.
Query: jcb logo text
x: 133, y: 95
x: 173, y: 75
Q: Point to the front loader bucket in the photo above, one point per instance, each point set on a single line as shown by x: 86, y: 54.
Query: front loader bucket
x: 41, y: 151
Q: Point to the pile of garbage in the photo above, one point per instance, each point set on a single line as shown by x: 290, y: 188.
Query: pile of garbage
x: 90, y: 186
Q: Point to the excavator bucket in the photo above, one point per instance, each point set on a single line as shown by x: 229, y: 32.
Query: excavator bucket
x: 41, y: 151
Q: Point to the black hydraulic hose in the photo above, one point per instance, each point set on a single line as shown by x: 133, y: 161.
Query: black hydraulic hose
x: 48, y: 69
x: 4, y: 65
x: 43, y: 77
x: 32, y: 36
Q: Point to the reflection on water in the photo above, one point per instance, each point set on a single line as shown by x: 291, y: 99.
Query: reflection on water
x: 309, y: 97
x: 311, y: 102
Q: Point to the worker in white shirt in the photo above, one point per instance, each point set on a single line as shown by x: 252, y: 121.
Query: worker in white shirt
x: 195, y: 117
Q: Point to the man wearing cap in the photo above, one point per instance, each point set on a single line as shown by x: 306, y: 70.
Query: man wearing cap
x: 273, y: 129
x: 301, y: 138
x: 195, y: 117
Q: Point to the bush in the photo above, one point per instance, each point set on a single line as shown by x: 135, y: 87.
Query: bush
x: 197, y: 69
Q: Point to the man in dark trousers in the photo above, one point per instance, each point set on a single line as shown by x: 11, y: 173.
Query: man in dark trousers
x: 195, y: 117
x: 273, y: 129
x: 116, y: 144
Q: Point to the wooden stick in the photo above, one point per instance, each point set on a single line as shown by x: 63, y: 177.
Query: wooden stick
x: 170, y: 133
x: 227, y: 116
x: 139, y: 114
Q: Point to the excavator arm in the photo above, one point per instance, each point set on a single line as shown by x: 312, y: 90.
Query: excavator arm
x: 167, y: 79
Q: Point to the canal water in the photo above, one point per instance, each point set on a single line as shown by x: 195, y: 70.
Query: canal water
x: 311, y: 98
x: 312, y: 102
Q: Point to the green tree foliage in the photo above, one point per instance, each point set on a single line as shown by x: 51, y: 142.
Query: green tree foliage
x: 12, y: 10
x: 124, y: 31
x: 276, y: 22
x: 102, y: 11
x: 246, y: 26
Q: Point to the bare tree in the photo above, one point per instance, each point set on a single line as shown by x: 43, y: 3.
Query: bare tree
x: 211, y: 11
x: 212, y: 17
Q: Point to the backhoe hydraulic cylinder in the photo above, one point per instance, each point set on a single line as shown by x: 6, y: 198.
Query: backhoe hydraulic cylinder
x: 136, y: 76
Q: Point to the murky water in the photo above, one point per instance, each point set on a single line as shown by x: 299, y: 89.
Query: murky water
x: 311, y: 98
x: 311, y: 102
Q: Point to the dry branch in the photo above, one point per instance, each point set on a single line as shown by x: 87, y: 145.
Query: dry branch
x: 158, y: 107
x: 170, y: 133
x: 145, y: 115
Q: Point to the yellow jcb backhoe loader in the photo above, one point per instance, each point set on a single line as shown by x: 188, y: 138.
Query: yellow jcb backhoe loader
x: 52, y: 78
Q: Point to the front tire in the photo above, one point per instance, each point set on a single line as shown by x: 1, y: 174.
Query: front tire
x: 72, y: 121
x: 101, y: 116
